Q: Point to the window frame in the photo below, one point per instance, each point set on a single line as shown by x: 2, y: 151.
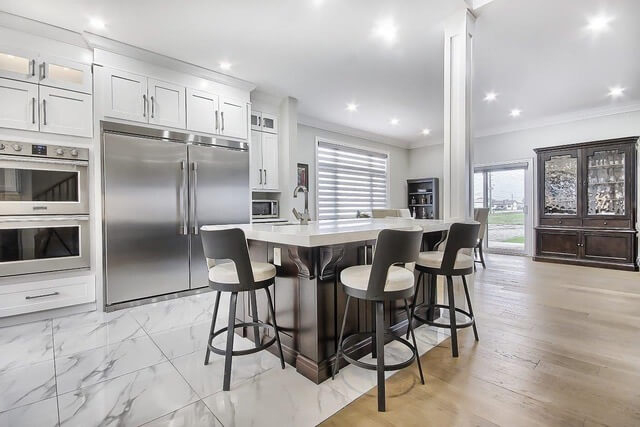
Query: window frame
x: 356, y: 146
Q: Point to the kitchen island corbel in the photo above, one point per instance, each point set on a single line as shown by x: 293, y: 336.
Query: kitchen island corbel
x: 309, y: 303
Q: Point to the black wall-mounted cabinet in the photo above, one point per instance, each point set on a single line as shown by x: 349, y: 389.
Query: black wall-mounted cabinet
x: 424, y: 198
x: 587, y: 204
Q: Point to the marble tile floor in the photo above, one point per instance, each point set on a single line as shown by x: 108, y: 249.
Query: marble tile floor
x: 144, y: 366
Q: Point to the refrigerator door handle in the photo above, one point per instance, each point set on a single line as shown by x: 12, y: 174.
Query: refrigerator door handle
x: 194, y: 189
x: 183, y: 209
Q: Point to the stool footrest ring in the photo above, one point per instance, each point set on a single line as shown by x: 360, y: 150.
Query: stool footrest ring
x: 348, y: 342
x: 261, y: 347
x: 423, y: 319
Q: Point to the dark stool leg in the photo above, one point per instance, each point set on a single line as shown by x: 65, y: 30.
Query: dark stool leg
x: 254, y: 315
x: 213, y: 326
x: 275, y: 325
x: 380, y: 351
x: 226, y: 385
x: 336, y: 363
x: 413, y: 304
x: 415, y: 345
x: 481, y: 254
x: 374, y: 350
x: 452, y: 318
x: 466, y: 292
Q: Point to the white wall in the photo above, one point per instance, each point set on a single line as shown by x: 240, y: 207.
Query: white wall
x: 398, y: 163
x: 428, y: 162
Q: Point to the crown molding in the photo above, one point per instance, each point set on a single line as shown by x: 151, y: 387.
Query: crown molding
x: 98, y: 42
x: 422, y: 143
x: 559, y: 119
x: 349, y: 131
x: 41, y: 29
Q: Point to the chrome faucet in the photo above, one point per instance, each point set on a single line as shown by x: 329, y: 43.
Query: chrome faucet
x: 304, y: 216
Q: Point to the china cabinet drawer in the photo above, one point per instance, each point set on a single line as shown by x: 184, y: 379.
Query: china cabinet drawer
x: 561, y: 222
x: 607, y: 223
x: 46, y: 295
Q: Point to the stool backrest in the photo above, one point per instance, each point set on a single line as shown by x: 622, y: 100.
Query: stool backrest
x: 229, y: 244
x: 482, y: 216
x: 392, y: 247
x: 460, y: 236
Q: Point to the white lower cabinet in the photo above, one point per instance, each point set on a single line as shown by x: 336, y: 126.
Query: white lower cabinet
x: 46, y: 295
x: 65, y: 112
x: 233, y: 118
x: 202, y: 111
x: 264, y: 161
x: 18, y: 105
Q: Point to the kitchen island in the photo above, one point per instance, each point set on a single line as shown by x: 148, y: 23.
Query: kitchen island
x: 309, y: 302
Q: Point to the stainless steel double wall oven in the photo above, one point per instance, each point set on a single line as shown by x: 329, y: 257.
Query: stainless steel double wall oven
x: 44, y: 208
x: 159, y: 187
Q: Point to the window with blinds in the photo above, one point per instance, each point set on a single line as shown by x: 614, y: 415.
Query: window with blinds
x: 350, y: 180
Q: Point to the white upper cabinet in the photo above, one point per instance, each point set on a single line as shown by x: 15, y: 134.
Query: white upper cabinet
x: 269, y: 123
x: 18, y: 64
x: 233, y: 118
x: 126, y: 96
x: 65, y: 74
x: 18, y: 105
x: 264, y: 122
x: 166, y: 104
x: 256, y: 120
x: 270, y: 161
x: 202, y: 111
x: 65, y: 112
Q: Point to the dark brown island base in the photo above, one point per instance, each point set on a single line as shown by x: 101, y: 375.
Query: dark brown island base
x: 309, y: 301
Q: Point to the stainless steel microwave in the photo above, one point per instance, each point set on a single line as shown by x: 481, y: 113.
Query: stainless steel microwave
x: 264, y: 209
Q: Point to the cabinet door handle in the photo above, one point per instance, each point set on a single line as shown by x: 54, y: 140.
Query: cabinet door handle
x: 217, y: 122
x: 144, y: 105
x: 44, y: 70
x: 153, y: 109
x: 260, y: 174
x: 222, y: 117
x: 44, y: 112
x: 265, y: 176
x: 50, y: 294
x: 32, y: 65
x: 33, y: 110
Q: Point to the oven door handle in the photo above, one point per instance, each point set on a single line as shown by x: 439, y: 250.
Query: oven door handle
x: 83, y: 163
x: 44, y: 218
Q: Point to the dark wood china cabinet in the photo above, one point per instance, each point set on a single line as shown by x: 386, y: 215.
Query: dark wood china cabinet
x: 587, y: 204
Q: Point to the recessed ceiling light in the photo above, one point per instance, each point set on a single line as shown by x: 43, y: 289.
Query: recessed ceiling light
x: 224, y: 65
x: 616, y: 92
x: 352, y: 106
x: 490, y: 96
x: 515, y: 112
x: 394, y: 121
x: 426, y: 131
x: 599, y: 23
x: 386, y: 30
x: 97, y: 23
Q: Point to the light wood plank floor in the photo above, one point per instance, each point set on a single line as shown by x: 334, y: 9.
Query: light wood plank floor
x: 559, y: 345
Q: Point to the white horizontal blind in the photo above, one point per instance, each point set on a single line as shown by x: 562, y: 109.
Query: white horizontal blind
x: 350, y: 180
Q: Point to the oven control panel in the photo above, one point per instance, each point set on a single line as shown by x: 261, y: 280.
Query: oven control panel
x: 43, y: 150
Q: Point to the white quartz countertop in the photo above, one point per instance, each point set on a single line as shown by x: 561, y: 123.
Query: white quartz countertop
x: 325, y: 233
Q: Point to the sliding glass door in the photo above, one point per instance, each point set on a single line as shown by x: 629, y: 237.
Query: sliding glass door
x: 503, y: 189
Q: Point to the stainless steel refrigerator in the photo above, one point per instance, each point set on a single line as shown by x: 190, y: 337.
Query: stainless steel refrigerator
x: 159, y: 187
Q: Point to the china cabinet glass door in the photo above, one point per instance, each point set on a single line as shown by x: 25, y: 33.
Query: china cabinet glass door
x: 561, y: 184
x: 606, y: 182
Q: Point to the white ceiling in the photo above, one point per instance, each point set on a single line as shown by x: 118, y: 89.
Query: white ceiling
x: 535, y: 54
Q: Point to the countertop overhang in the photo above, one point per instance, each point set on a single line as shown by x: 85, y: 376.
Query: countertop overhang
x: 334, y: 232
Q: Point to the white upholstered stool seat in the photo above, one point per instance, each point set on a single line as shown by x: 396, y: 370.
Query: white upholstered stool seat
x: 356, y: 278
x: 227, y: 273
x: 433, y: 259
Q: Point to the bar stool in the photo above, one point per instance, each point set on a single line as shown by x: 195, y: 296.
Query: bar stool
x: 449, y: 263
x: 482, y: 216
x: 240, y: 275
x: 379, y: 282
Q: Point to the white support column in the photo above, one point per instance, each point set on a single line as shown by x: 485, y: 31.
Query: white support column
x: 458, y: 35
x: 287, y: 146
